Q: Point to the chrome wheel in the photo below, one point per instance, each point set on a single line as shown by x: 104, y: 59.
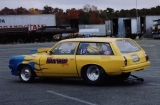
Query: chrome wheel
x: 26, y: 74
x: 93, y: 73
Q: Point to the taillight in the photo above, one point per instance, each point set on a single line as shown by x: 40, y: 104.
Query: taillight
x: 125, y: 61
x: 147, y: 58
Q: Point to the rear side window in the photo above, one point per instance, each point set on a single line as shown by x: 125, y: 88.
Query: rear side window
x: 92, y: 48
x: 127, y: 46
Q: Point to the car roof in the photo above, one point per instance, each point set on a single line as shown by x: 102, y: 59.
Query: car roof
x: 93, y: 39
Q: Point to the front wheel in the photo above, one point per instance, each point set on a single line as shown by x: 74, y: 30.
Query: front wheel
x: 93, y: 75
x: 26, y: 74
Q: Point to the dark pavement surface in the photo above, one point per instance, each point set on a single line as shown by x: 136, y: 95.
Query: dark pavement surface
x: 74, y: 91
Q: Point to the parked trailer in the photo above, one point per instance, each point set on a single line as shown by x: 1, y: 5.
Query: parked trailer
x: 92, y: 30
x: 146, y: 26
x: 31, y: 28
x: 110, y: 28
x: 52, y: 32
x: 123, y: 27
x: 8, y: 35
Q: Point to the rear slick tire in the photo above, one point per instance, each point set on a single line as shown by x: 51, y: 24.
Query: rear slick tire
x: 93, y: 75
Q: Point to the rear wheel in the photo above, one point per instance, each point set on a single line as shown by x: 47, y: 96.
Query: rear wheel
x: 93, y: 75
x: 26, y: 74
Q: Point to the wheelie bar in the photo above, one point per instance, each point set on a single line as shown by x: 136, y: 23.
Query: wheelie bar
x: 139, y: 79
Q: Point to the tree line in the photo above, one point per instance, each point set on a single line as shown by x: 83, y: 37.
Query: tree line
x: 87, y: 15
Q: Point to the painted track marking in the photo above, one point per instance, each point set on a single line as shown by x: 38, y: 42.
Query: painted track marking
x: 72, y: 98
x: 154, y: 84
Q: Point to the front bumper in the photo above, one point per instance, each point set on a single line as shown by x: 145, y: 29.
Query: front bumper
x: 11, y: 66
x: 135, y: 67
x: 13, y: 70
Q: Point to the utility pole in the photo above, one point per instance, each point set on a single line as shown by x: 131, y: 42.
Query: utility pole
x: 137, y: 17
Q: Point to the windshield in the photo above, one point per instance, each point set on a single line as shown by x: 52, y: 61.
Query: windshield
x: 127, y: 46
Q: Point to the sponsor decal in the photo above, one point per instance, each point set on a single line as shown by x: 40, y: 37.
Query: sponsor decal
x: 57, y: 60
x: 30, y: 26
x: 64, y: 64
x: 83, y: 51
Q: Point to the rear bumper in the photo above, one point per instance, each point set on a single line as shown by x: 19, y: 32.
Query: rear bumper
x: 135, y: 67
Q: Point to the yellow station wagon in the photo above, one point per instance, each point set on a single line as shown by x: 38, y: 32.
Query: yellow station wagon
x: 92, y: 59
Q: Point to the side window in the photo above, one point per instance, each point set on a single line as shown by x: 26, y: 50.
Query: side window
x: 107, y: 50
x: 127, y: 46
x: 66, y: 48
x: 94, y: 49
x: 82, y: 49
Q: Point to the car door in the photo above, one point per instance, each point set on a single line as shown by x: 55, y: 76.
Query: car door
x: 61, y: 61
x: 99, y: 53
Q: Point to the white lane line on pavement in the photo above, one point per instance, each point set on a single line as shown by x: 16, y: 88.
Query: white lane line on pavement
x: 72, y: 98
x: 154, y: 84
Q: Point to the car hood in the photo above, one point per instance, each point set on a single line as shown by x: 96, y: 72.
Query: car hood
x: 40, y: 50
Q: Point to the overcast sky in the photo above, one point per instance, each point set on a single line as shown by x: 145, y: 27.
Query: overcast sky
x: 79, y: 4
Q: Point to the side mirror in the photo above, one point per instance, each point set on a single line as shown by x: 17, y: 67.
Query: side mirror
x: 50, y: 52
